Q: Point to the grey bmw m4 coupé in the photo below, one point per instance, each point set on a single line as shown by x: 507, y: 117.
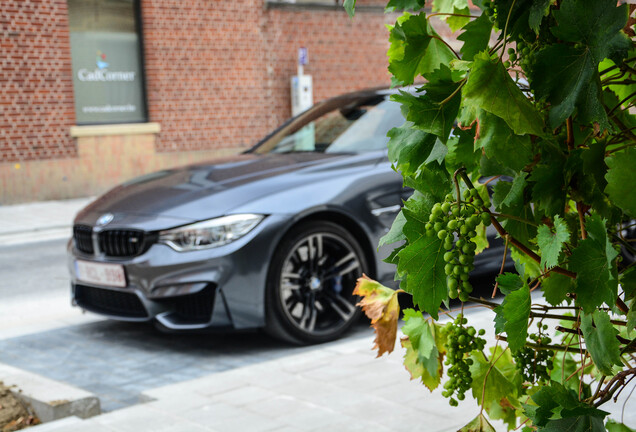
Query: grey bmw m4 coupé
x: 273, y: 238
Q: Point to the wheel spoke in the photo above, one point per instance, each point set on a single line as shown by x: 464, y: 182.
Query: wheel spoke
x: 308, y: 320
x: 289, y: 275
x: 341, y: 306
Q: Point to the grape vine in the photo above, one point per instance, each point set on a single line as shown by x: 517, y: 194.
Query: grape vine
x: 539, y: 103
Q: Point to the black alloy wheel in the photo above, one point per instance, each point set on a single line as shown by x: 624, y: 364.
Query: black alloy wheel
x: 311, y: 283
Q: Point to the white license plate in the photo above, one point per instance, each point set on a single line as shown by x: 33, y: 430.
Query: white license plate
x: 100, y: 273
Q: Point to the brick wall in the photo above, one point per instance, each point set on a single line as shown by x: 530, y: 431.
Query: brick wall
x: 36, y: 89
x: 218, y: 73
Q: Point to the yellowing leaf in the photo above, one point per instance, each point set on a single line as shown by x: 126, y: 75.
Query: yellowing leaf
x: 381, y: 306
x: 479, y: 424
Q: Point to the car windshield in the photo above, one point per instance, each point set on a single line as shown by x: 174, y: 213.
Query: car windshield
x: 354, y: 128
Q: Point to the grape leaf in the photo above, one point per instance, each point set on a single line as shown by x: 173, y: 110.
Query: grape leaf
x: 514, y: 14
x: 525, y: 266
x: 567, y: 75
x: 481, y: 239
x: 596, y: 24
x: 628, y: 283
x: 380, y: 304
x: 416, y: 211
x: 461, y: 151
x: 425, y: 349
x: 583, y: 423
x: 499, y: 384
x: 432, y: 111
x: 431, y: 179
x: 413, y: 5
x: 499, y: 142
x: 512, y: 317
x: 620, y: 180
x: 600, y: 340
x: 350, y: 7
x: 478, y: 424
x: 476, y: 36
x: 422, y: 261
x: 452, y: 7
x: 509, y: 282
x: 415, y: 49
x: 538, y: 11
x: 550, y: 243
x: 548, y: 182
x: 555, y: 402
x: 395, y: 234
x: 491, y: 88
x: 556, y: 287
x: 458, y: 20
x: 631, y: 319
x: 438, y: 153
x: 592, y: 261
x: 508, y: 194
x: 409, y: 147
x: 613, y: 426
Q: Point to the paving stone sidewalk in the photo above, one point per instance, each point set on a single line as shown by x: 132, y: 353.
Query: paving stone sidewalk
x: 339, y: 387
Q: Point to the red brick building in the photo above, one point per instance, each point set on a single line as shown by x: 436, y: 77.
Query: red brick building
x: 210, y: 78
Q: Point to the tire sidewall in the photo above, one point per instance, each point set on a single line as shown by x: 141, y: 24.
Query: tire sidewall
x: 277, y: 321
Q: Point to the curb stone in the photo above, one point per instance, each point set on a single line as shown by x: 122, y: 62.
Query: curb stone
x: 51, y: 400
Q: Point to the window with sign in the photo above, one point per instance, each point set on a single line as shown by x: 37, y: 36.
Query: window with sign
x: 106, y: 56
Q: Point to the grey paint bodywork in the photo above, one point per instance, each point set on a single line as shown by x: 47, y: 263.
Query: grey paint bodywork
x: 360, y: 191
x: 288, y: 188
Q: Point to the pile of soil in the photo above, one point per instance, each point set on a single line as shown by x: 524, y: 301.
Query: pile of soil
x: 14, y: 414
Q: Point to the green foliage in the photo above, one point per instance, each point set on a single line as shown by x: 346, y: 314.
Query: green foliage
x: 425, y: 345
x: 620, y: 180
x: 550, y: 243
x: 600, y: 339
x: 540, y: 95
x: 592, y: 260
x: 512, y: 315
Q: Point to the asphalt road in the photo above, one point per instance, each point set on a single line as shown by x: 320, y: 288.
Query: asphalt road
x: 41, y: 332
x: 34, y: 288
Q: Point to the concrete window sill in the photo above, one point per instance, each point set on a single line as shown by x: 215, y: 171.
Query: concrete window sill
x: 115, y: 129
x: 318, y: 5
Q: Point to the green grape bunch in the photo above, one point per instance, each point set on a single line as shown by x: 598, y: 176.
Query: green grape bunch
x: 461, y: 342
x: 455, y: 223
x: 535, y: 364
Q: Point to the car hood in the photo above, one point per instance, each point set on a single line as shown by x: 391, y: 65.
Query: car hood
x: 179, y: 196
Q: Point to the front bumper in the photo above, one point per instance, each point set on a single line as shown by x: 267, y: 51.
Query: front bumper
x: 221, y: 287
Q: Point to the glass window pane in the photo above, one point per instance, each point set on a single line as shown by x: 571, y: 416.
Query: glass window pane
x: 107, y: 68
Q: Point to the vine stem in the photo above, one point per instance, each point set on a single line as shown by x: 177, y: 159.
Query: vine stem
x: 581, y: 211
x: 492, y: 365
x: 583, y: 356
x: 507, y: 216
x: 446, y: 43
x: 454, y: 93
x: 503, y: 49
x: 516, y: 243
x: 450, y: 14
x: 561, y: 348
x: 457, y: 171
x: 617, y: 381
x: 503, y: 265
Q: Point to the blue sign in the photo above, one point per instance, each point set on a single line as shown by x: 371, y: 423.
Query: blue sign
x: 302, y: 56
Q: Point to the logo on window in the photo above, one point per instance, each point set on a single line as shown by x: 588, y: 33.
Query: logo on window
x: 101, y: 60
x: 101, y: 73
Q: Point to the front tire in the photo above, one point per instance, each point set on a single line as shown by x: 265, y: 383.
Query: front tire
x: 311, y: 281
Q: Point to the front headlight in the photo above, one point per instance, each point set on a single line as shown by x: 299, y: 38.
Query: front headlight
x: 211, y: 233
